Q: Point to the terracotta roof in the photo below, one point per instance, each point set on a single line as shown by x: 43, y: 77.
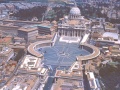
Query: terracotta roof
x: 5, y: 40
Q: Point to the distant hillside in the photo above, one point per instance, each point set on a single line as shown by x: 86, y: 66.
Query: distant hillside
x: 26, y: 0
x: 37, y: 0
x: 57, y: 1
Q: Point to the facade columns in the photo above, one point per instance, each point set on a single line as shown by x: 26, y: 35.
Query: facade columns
x: 63, y: 32
x: 67, y: 33
x: 73, y: 33
x: 70, y: 32
x: 80, y: 33
x: 58, y: 33
x: 77, y: 33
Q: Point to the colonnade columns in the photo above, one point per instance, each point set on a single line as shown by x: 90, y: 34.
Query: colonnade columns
x: 76, y: 16
x: 61, y: 32
x: 73, y: 33
x: 77, y: 33
x: 69, y: 33
x: 72, y: 16
x: 80, y: 33
x: 58, y: 33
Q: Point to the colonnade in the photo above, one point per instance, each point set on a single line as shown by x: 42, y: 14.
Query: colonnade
x: 74, y: 33
x: 74, y: 16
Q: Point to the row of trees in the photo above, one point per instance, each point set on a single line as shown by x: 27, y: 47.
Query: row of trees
x: 54, y: 14
x: 110, y: 75
x: 95, y: 12
x: 58, y: 12
x: 28, y: 14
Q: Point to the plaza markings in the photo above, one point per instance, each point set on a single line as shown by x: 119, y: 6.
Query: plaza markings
x: 62, y: 54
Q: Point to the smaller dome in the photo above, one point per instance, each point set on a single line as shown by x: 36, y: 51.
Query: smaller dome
x: 75, y: 11
x: 66, y: 17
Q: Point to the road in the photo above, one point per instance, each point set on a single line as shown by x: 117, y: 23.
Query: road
x: 15, y: 70
x: 50, y: 81
x: 86, y: 82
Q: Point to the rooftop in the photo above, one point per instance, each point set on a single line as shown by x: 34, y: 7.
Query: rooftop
x: 5, y: 51
x: 28, y: 28
x: 5, y: 40
x: 45, y: 37
x: 92, y: 81
x: 74, y: 22
x: 68, y: 81
x: 63, y: 84
x: 110, y: 34
x: 21, y: 82
x: 32, y: 64
x: 109, y: 25
x: 6, y: 69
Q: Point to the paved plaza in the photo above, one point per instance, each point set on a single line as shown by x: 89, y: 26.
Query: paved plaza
x: 68, y: 39
x: 62, y: 53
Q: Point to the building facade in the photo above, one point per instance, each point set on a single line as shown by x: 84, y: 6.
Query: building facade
x: 6, y: 53
x: 74, y: 24
x: 29, y: 33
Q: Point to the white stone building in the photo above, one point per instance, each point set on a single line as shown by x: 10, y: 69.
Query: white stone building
x: 74, y: 24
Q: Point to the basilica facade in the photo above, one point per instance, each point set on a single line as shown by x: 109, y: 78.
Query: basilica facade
x: 74, y: 24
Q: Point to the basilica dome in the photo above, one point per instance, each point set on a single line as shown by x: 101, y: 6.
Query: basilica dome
x: 75, y: 11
